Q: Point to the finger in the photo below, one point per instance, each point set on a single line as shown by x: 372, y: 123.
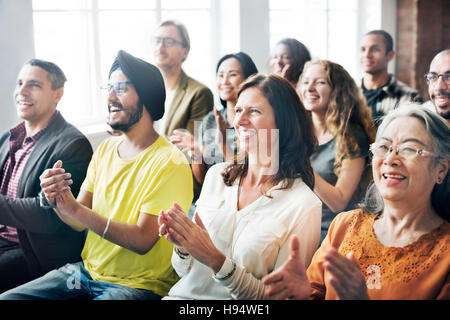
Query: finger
x: 198, y: 220
x: 337, y: 271
x: 351, y: 257
x: 177, y: 237
x: 278, y: 293
x: 295, y: 247
x: 56, y: 182
x: 51, y: 172
x: 272, y: 278
x: 338, y: 287
x: 176, y: 221
x: 58, y: 164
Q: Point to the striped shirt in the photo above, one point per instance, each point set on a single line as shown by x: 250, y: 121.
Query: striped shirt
x: 20, y: 148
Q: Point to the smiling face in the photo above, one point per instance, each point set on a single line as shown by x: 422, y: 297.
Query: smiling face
x: 254, y: 120
x: 168, y: 57
x: 314, y: 88
x: 405, y: 180
x: 280, y: 57
x: 373, y: 56
x: 439, y: 90
x: 34, y: 97
x: 229, y: 77
x: 124, y: 110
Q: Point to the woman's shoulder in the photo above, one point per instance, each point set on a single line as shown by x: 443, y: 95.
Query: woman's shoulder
x: 352, y: 219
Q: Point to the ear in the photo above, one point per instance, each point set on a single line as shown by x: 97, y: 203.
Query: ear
x: 58, y: 94
x: 442, y: 171
x: 185, y: 54
x: 390, y: 55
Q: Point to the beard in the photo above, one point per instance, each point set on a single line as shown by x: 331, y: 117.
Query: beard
x: 135, y: 115
x: 443, y: 111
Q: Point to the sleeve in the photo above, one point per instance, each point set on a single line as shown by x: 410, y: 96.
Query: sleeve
x: 202, y: 103
x: 444, y: 294
x: 26, y: 213
x: 315, y: 271
x: 308, y: 233
x: 182, y: 266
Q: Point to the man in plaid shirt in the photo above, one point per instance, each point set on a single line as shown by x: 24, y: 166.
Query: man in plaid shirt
x: 382, y: 90
x: 33, y: 239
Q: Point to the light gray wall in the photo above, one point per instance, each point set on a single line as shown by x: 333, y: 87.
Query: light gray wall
x: 254, y: 31
x: 16, y: 47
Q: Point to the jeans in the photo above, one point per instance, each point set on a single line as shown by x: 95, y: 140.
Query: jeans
x: 13, y: 266
x: 73, y: 282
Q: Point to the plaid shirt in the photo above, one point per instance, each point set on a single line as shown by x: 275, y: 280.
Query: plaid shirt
x: 20, y: 148
x: 395, y: 93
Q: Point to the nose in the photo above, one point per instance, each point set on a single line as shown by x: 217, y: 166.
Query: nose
x: 225, y: 79
x: 240, y: 119
x: 391, y: 157
x: 440, y: 83
x: 112, y: 95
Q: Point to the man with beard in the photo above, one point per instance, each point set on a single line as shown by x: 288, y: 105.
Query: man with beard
x: 131, y: 178
x: 34, y: 241
x: 383, y: 92
x: 438, y: 79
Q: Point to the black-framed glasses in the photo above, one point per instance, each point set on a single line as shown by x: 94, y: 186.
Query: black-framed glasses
x: 381, y: 150
x: 432, y: 77
x: 119, y: 87
x: 166, y: 42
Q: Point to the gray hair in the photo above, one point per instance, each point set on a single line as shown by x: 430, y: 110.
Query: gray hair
x: 55, y: 74
x: 439, y: 133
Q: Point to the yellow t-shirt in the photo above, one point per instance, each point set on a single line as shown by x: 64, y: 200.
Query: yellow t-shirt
x: 122, y: 189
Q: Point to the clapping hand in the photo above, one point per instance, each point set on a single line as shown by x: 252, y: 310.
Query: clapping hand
x: 289, y: 282
x: 190, y: 236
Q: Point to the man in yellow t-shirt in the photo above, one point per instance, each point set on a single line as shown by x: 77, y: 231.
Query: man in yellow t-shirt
x: 130, y: 179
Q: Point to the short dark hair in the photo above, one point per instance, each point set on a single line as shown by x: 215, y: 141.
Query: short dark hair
x: 182, y: 31
x: 387, y: 39
x: 55, y: 75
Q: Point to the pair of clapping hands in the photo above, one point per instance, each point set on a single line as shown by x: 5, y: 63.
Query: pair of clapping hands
x: 190, y: 236
x: 186, y: 143
x: 55, y: 185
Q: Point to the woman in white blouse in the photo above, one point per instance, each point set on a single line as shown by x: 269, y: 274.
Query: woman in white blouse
x: 248, y: 209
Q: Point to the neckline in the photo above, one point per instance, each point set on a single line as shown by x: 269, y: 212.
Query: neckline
x: 253, y: 205
x: 407, y: 246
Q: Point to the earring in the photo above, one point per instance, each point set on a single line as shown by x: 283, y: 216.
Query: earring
x: 439, y: 180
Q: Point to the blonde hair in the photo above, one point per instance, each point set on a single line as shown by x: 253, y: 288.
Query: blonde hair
x: 346, y: 110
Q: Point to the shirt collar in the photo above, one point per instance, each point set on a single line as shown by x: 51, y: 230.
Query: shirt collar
x: 19, y: 132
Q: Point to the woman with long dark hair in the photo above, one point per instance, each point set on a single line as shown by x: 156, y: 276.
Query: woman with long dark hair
x: 249, y: 208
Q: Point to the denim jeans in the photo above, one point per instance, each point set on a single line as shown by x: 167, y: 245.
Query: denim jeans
x: 73, y: 282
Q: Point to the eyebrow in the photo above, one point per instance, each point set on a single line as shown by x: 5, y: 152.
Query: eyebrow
x: 406, y: 140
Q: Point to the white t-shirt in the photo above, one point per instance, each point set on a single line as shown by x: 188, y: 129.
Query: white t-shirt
x: 256, y: 237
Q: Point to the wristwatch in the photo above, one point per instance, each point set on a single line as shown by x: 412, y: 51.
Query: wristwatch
x: 44, y: 202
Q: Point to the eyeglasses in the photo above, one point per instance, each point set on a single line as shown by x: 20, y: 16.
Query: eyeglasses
x: 282, y: 57
x: 381, y: 150
x: 119, y: 87
x: 433, y: 77
x: 166, y: 42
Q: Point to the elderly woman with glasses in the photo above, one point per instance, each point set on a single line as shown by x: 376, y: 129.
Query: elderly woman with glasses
x: 397, y: 246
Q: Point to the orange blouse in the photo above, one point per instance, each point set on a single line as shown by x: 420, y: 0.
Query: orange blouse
x: 419, y: 270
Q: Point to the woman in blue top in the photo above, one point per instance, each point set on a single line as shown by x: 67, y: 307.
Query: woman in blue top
x: 344, y: 129
x: 232, y: 70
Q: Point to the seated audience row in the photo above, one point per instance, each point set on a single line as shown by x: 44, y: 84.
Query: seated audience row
x: 284, y: 150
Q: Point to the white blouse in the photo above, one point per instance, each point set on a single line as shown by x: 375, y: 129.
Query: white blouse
x: 256, y: 237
